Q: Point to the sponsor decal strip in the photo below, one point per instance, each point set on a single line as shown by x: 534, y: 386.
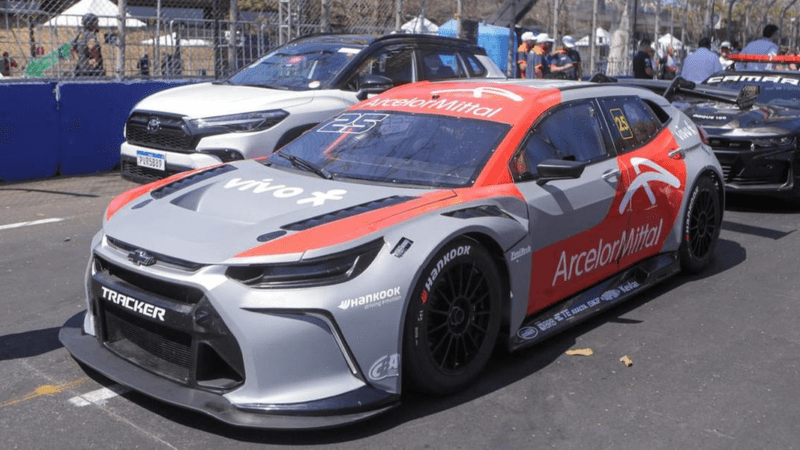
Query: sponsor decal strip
x: 550, y: 321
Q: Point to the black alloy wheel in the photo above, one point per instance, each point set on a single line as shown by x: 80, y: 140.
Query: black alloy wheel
x: 701, y: 225
x: 453, y: 319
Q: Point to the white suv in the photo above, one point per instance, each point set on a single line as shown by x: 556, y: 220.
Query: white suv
x: 281, y: 95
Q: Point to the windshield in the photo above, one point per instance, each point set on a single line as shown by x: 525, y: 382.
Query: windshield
x: 398, y: 148
x: 301, y: 66
x: 775, y: 89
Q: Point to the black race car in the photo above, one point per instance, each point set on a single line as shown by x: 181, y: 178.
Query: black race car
x: 752, y: 119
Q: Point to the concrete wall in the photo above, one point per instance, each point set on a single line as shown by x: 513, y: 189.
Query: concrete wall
x: 69, y: 128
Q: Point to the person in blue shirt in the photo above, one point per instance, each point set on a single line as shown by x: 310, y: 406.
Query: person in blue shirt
x: 766, y: 45
x: 702, y: 63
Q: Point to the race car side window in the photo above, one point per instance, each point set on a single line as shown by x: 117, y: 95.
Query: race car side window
x: 572, y: 132
x: 633, y: 121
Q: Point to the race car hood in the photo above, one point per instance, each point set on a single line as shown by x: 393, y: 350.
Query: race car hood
x: 245, y: 205
x: 760, y: 119
x: 209, y: 99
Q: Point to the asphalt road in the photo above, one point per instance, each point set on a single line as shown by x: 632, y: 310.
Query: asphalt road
x: 716, y: 357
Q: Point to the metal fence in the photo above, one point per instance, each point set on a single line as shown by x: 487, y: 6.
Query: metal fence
x: 213, y: 38
x: 191, y: 38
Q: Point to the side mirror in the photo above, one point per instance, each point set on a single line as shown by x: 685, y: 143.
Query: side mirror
x: 559, y: 169
x: 372, y: 84
x: 748, y: 96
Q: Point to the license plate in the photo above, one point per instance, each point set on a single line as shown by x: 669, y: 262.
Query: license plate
x: 151, y: 159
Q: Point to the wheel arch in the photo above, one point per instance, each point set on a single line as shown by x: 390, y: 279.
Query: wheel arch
x: 498, y: 255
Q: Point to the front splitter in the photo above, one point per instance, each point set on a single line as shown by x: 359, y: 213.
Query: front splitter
x: 351, y: 407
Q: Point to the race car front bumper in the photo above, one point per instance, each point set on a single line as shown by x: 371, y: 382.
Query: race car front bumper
x: 351, y: 407
x: 223, y: 351
x: 765, y: 172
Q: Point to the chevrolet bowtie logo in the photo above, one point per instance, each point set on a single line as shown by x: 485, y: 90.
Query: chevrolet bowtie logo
x: 141, y: 258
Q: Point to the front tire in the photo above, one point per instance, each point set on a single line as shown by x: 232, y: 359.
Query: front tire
x: 453, y: 319
x: 701, y: 226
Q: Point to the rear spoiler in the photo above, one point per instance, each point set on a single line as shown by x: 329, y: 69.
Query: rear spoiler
x: 745, y: 99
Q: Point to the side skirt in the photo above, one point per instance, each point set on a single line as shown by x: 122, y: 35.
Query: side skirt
x: 609, y: 292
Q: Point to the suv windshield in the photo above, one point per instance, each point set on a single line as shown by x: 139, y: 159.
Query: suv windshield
x: 397, y: 148
x: 775, y: 88
x: 301, y: 66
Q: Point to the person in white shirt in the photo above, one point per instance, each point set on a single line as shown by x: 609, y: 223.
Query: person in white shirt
x: 702, y: 63
x: 724, y: 51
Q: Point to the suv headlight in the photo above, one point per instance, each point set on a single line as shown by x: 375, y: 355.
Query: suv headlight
x: 322, y: 271
x: 237, y: 123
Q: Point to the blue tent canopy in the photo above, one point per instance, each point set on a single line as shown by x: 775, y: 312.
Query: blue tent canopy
x: 491, y: 37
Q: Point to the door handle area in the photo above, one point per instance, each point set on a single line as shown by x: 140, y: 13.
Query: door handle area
x: 611, y: 175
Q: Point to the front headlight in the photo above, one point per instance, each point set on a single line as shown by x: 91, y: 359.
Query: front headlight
x: 237, y: 123
x: 322, y: 271
x: 782, y: 141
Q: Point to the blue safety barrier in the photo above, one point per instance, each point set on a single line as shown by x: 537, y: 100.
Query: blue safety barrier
x: 70, y: 128
x: 29, y: 131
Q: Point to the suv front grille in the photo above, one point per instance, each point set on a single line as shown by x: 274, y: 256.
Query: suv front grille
x: 172, y: 133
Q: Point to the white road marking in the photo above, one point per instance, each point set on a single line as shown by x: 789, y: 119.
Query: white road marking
x: 98, y: 397
x: 27, y: 224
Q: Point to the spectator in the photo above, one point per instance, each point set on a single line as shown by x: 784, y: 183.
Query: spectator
x: 569, y: 44
x: 528, y: 41
x: 668, y: 68
x: 724, y: 51
x: 643, y: 61
x: 702, y: 63
x: 86, y: 48
x: 561, y: 65
x: 766, y: 45
x: 8, y: 64
x: 539, y: 58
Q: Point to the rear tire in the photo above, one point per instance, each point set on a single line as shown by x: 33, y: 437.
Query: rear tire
x: 701, y: 226
x: 453, y: 319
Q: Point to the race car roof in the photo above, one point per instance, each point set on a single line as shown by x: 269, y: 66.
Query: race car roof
x: 503, y: 101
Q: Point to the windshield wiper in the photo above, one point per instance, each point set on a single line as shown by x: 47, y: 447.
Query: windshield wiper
x: 307, y: 165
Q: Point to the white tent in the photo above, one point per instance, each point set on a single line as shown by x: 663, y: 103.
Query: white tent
x: 105, y: 11
x: 666, y: 40
x: 420, y: 25
x: 170, y: 40
x: 603, y: 38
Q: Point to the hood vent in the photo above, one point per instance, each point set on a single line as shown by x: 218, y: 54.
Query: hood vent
x: 176, y: 186
x: 345, y: 213
x: 478, y: 211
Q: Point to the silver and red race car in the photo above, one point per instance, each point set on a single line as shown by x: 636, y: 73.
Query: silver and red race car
x: 393, y: 246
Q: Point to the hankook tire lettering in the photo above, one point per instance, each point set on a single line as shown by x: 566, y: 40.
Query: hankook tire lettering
x: 446, y: 258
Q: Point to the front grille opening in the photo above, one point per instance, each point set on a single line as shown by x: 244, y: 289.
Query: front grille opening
x: 172, y: 133
x: 172, y: 291
x: 213, y: 372
x: 156, y: 348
